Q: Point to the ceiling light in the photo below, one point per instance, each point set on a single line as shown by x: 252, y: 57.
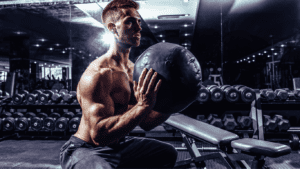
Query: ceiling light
x: 272, y: 48
x: 80, y: 51
x: 253, y: 56
x: 90, y: 54
x: 275, y: 53
x: 186, y: 34
x: 185, y: 47
x: 237, y: 61
x: 160, y: 35
x: 50, y: 48
x: 244, y: 59
x: 52, y: 64
x: 34, y: 62
x: 185, y: 25
x: 155, y: 27
x: 43, y: 40
x: 163, y: 41
x: 37, y: 45
x: 265, y: 51
x: 241, y: 60
x: 45, y: 63
x: 268, y: 56
x: 282, y: 45
x: 259, y: 53
x: 63, y: 51
x: 249, y: 61
x: 248, y: 58
x: 82, y: 57
x: 253, y: 60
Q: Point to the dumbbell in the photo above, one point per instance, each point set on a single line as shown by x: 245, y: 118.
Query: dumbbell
x: 63, y: 91
x: 49, y: 122
x: 204, y: 94
x: 281, y: 94
x: 244, y: 122
x: 20, y: 97
x: 61, y: 124
x: 78, y: 114
x: 74, y: 124
x: 30, y: 115
x: 45, y: 97
x: 58, y: 97
x: 232, y: 95
x: 21, y: 123
x: 267, y: 94
x: 214, y: 120
x: 216, y: 94
x: 70, y: 97
x: 42, y: 115
x: 282, y: 124
x: 229, y: 122
x: 269, y: 124
x: 17, y: 115
x: 247, y: 94
x: 6, y: 114
x: 294, y: 142
x: 202, y: 118
x: 293, y: 94
x: 8, y: 124
x: 69, y: 115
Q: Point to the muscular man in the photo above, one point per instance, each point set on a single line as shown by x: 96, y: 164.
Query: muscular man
x: 113, y: 105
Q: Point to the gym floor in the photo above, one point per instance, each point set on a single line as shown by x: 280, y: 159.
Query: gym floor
x: 44, y: 154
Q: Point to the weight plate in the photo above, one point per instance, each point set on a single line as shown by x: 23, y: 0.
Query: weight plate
x: 61, y: 124
x: 8, y: 124
x: 22, y: 124
x: 294, y: 141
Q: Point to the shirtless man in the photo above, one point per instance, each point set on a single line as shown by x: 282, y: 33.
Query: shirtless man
x: 113, y: 105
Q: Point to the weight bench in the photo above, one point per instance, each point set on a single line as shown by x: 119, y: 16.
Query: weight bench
x: 228, y: 142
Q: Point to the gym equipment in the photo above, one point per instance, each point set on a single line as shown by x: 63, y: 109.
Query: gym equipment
x: 73, y: 124
x: 247, y: 94
x: 21, y: 124
x: 204, y: 94
x: 61, y: 124
x: 69, y: 98
x: 214, y: 120
x: 36, y: 123
x: 63, y: 91
x: 79, y: 114
x: 8, y: 124
x: 244, y: 121
x: 267, y: 94
x: 68, y: 115
x: 294, y: 141
x: 180, y: 72
x: 269, y: 124
x: 42, y: 115
x: 202, y: 118
x: 30, y: 115
x: 281, y: 95
x: 216, y: 94
x: 293, y: 94
x: 229, y: 122
x: 45, y: 97
x: 20, y: 97
x: 49, y: 123
x: 232, y: 95
x: 282, y: 124
x: 32, y: 98
x: 228, y: 142
x: 57, y: 97
x: 17, y: 114
x: 55, y: 115
x: 6, y: 114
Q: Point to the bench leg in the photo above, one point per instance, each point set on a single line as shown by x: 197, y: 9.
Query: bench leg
x: 258, y: 162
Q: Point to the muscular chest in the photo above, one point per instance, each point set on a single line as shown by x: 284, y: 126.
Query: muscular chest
x: 122, y: 89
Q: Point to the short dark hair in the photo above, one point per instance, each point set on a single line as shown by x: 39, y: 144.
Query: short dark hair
x: 113, y: 11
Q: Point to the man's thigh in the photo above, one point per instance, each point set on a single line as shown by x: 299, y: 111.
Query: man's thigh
x: 75, y: 156
x: 147, y: 153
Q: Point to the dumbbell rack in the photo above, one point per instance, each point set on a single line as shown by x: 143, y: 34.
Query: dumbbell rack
x: 37, y: 134
x: 264, y: 107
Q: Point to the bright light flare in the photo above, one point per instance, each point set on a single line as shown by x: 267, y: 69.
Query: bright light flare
x: 108, y: 38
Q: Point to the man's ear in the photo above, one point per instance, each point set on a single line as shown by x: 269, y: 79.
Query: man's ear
x: 112, y: 28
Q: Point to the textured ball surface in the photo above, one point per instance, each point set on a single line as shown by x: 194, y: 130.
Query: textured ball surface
x: 180, y: 72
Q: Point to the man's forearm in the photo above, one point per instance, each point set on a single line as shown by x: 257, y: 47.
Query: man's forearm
x: 116, y: 127
x: 152, y: 120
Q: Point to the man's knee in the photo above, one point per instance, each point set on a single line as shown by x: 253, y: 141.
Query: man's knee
x: 93, y: 162
x: 171, y: 152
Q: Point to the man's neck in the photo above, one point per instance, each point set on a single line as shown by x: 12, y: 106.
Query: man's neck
x: 120, y: 52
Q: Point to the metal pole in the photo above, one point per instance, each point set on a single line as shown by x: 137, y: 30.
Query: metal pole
x: 273, y: 71
x: 222, y: 41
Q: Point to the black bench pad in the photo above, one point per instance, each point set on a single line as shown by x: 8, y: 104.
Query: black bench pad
x: 261, y: 147
x: 201, y: 130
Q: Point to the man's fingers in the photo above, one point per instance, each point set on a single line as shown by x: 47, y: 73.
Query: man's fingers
x: 142, y: 77
x: 158, y: 85
x: 134, y: 86
x: 147, y: 79
x: 152, y: 83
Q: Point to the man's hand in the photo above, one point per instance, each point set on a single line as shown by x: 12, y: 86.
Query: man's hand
x: 146, y: 90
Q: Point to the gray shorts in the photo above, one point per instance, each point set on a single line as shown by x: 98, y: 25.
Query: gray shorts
x: 130, y: 152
